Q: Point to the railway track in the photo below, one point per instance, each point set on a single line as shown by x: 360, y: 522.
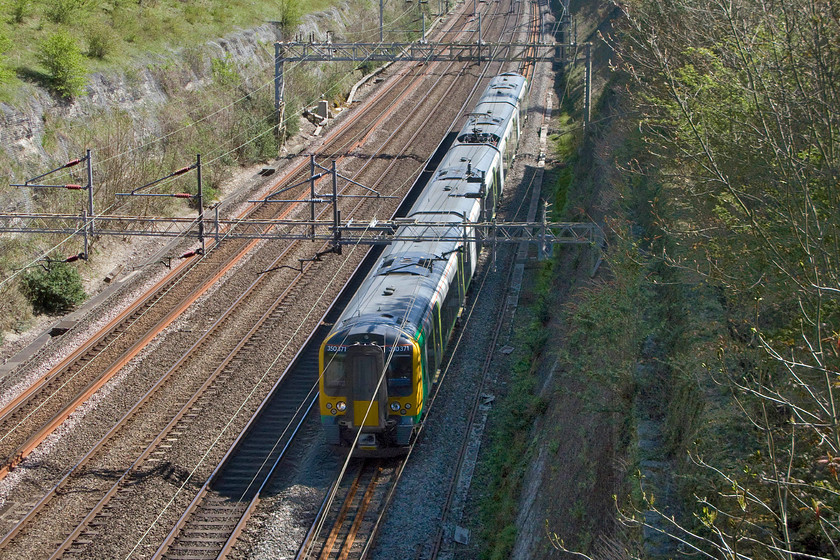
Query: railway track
x: 31, y: 417
x: 34, y: 414
x: 87, y: 531
x: 352, y: 511
x: 348, y: 530
x: 220, y: 499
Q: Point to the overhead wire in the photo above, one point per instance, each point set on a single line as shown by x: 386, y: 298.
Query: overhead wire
x: 256, y: 385
x: 382, y: 376
x: 245, y: 401
x: 387, y: 362
x: 7, y: 280
x: 354, y: 247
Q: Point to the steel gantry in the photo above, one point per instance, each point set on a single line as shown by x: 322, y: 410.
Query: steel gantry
x: 350, y: 232
x: 424, y: 51
x: 334, y: 231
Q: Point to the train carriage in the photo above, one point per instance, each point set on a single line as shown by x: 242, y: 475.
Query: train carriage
x: 379, y: 362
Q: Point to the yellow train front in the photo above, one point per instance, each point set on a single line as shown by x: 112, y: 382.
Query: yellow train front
x: 362, y: 409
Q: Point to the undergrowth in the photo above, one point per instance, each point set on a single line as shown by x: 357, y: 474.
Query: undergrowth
x: 510, y: 450
x: 521, y: 405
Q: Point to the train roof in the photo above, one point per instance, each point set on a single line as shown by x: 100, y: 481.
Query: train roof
x: 509, y: 86
x: 396, y: 294
x: 407, y: 275
x: 456, y: 181
x: 489, y: 120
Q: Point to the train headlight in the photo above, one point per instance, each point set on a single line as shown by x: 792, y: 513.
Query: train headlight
x: 340, y: 406
x: 329, y: 406
x: 395, y: 406
x: 333, y: 412
x: 407, y: 405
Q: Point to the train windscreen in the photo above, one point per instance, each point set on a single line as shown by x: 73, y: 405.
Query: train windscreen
x: 399, y: 376
x: 334, y: 379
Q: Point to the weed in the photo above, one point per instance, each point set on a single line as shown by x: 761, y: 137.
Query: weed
x: 19, y: 10
x: 224, y: 72
x: 100, y: 40
x: 61, y: 11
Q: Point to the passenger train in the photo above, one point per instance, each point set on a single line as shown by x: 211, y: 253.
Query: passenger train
x: 380, y: 360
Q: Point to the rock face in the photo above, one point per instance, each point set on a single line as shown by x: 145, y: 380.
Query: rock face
x: 250, y: 52
x: 22, y: 127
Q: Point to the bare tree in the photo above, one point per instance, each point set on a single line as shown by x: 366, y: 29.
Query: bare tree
x: 740, y: 103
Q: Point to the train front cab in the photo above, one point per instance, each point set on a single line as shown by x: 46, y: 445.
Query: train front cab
x: 352, y: 398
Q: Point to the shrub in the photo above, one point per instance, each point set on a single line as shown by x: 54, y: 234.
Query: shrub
x: 60, y: 11
x: 100, y: 41
x: 289, y: 13
x: 20, y: 9
x: 55, y: 289
x: 65, y: 64
x: 224, y: 71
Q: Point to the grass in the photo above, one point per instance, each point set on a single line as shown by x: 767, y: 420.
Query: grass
x: 116, y: 33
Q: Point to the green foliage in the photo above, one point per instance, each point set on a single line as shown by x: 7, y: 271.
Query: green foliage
x: 61, y: 55
x: 19, y: 10
x: 54, y: 289
x: 6, y: 73
x: 100, y: 40
x: 508, y: 458
x: 224, y: 71
x: 62, y: 11
x: 514, y: 420
x: 748, y: 205
x: 288, y: 14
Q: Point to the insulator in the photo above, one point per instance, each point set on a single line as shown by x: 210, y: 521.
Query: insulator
x: 73, y: 162
x: 74, y: 187
x: 182, y: 195
x: 189, y: 254
x: 182, y: 170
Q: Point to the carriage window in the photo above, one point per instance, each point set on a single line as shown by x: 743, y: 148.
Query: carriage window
x: 400, y: 376
x: 334, y: 380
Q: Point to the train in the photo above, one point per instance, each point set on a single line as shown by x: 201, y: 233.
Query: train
x: 380, y: 360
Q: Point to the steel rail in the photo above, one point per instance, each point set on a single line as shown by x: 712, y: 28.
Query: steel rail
x: 111, y: 492
x: 399, y: 471
x: 40, y: 434
x: 171, y: 538
x: 249, y: 246
x: 13, y: 406
x: 219, y: 324
x: 214, y: 328
x: 488, y: 360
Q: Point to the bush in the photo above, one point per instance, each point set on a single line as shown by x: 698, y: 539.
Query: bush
x: 20, y: 9
x: 55, y: 289
x: 61, y: 11
x: 289, y: 13
x: 65, y: 64
x: 100, y: 40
